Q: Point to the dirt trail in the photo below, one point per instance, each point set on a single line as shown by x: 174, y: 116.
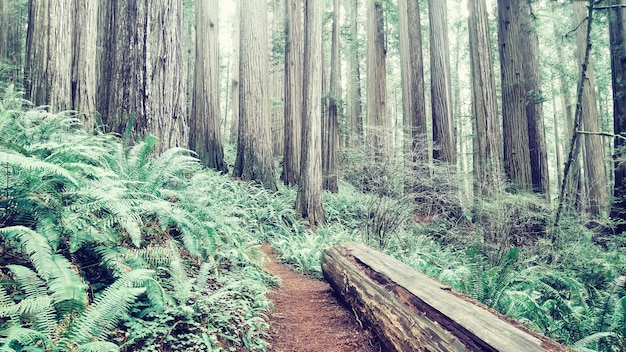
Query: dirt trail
x: 307, y: 317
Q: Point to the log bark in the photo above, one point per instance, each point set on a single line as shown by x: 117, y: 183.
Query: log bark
x: 409, y: 311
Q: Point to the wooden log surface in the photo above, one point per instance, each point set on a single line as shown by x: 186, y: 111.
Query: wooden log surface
x: 408, y: 311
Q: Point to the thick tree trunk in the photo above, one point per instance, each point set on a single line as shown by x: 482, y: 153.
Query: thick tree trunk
x: 617, y: 31
x: 331, y: 141
x: 515, y: 122
x: 355, y: 111
x: 4, y: 30
x: 294, y: 55
x: 205, y: 135
x: 254, y: 145
x: 534, y: 103
x: 440, y: 83
x: 595, y: 173
x: 412, y: 72
x: 84, y: 77
x: 48, y: 78
x: 309, y: 197
x: 487, y: 154
x: 277, y: 74
x: 146, y: 93
x: 409, y: 311
x: 376, y: 83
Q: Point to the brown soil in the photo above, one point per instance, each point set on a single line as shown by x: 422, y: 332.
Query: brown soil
x: 308, y: 318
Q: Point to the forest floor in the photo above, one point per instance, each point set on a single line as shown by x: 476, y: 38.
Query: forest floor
x: 307, y: 316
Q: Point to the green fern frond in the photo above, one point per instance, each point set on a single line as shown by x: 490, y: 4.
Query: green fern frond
x: 42, y: 168
x: 23, y: 337
x: 28, y: 306
x: 98, y: 347
x: 66, y: 287
x: 581, y: 345
x: 112, y: 304
x: 30, y: 282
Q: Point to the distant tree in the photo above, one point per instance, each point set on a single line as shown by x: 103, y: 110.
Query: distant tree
x: 617, y: 32
x: 440, y: 83
x: 254, y: 160
x: 354, y: 103
x: 487, y: 140
x: 205, y: 135
x: 331, y: 137
x: 294, y: 55
x: 4, y: 29
x: 234, y: 119
x: 309, y: 197
x: 412, y: 71
x: 143, y: 72
x: 376, y: 82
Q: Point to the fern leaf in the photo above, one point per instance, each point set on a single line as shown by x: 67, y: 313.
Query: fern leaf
x: 22, y: 336
x: 66, y: 287
x: 41, y: 167
x: 30, y: 282
x: 581, y: 345
x: 98, y: 347
x: 34, y: 245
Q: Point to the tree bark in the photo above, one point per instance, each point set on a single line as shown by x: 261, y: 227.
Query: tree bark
x: 309, y: 197
x: 595, y: 173
x: 205, y: 135
x: 234, y: 121
x: 617, y: 34
x: 48, y: 78
x: 4, y: 30
x: 293, y: 91
x: 376, y: 83
x: 84, y: 79
x: 515, y: 121
x: 409, y: 311
x: 487, y: 154
x: 254, y: 160
x: 534, y: 103
x: 412, y: 72
x: 441, y: 86
x: 277, y: 74
x: 330, y: 159
x: 146, y: 93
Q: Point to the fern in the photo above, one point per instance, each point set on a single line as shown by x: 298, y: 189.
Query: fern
x: 14, y: 337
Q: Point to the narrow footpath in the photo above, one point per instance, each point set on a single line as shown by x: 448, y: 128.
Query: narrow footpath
x: 308, y: 318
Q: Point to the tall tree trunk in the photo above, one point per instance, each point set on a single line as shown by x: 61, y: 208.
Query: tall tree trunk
x: 355, y: 113
x: 330, y: 159
x: 234, y: 120
x: 48, y: 78
x: 412, y: 72
x: 84, y: 77
x: 309, y: 197
x: 277, y: 78
x: 254, y: 160
x: 487, y: 154
x: 441, y: 87
x: 534, y: 103
x: 376, y: 83
x: 515, y: 121
x: 617, y: 32
x: 4, y: 30
x: 146, y: 93
x: 293, y: 91
x: 205, y: 135
x: 595, y: 173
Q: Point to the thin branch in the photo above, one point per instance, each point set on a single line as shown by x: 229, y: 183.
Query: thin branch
x: 577, y: 118
x: 605, y: 134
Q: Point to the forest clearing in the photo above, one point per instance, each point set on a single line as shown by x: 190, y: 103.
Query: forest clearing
x: 175, y: 173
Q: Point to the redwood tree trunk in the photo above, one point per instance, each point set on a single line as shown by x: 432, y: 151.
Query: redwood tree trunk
x: 487, y: 141
x: 441, y: 87
x: 293, y: 91
x: 515, y: 122
x: 205, y: 135
x: 84, y: 77
x: 617, y: 31
x: 331, y: 140
x: 309, y: 198
x: 254, y: 144
x: 376, y: 82
x: 145, y: 74
x: 412, y: 68
x: 355, y: 111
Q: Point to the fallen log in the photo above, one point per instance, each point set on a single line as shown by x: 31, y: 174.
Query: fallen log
x: 408, y: 311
